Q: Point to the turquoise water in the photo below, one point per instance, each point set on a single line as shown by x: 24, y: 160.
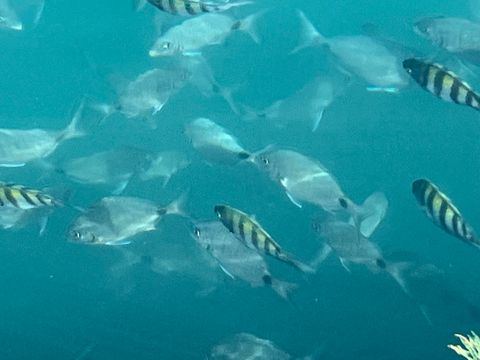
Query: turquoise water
x: 67, y: 301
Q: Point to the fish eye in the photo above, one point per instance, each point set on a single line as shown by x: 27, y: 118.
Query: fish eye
x: 208, y: 247
x: 166, y: 45
x: 76, y: 235
x: 265, y: 161
x: 196, y: 232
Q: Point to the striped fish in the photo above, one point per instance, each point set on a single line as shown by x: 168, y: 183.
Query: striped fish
x: 253, y: 235
x: 192, y: 7
x: 442, y: 82
x: 21, y: 197
x: 441, y: 210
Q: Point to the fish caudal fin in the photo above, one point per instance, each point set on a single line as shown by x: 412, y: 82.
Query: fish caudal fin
x: 249, y: 25
x: 397, y: 272
x: 370, y: 214
x: 230, y: 5
x: 309, y: 35
x: 177, y: 206
x: 282, y: 288
x: 320, y: 256
x: 72, y: 131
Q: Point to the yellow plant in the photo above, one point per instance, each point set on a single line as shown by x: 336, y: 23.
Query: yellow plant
x: 471, y: 346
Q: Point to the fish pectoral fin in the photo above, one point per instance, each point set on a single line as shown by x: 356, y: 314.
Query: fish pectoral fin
x: 118, y: 243
x: 226, y: 271
x: 390, y: 90
x: 317, y: 119
x: 12, y: 165
x: 345, y: 264
x: 292, y: 199
x: 120, y: 187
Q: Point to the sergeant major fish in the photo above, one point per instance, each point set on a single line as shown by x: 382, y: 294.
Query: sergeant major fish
x: 441, y: 210
x: 115, y: 220
x: 21, y: 197
x: 253, y: 235
x: 19, y: 147
x: 235, y: 259
x: 441, y: 82
x: 190, y: 7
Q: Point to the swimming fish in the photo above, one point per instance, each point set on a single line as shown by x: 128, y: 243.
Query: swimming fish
x: 305, y: 180
x: 192, y: 35
x: 112, y: 167
x: 115, y: 220
x: 214, y: 142
x: 442, y: 82
x: 19, y: 147
x: 235, y: 259
x: 441, y: 210
x: 192, y: 7
x: 360, y: 55
x: 253, y: 235
x: 21, y: 197
x: 456, y: 35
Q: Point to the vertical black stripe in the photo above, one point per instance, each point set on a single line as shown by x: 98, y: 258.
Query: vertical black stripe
x: 423, y: 70
x: 158, y: 4
x: 454, y: 90
x: 442, y: 214
x: 204, y: 7
x: 455, y: 221
x: 241, y: 229
x: 188, y: 8
x: 10, y: 197
x: 41, y: 198
x: 468, y: 99
x: 254, y: 238
x: 2, y: 203
x: 27, y: 197
x: 438, y: 82
x: 429, y: 202
x: 464, y: 230
x: 172, y: 6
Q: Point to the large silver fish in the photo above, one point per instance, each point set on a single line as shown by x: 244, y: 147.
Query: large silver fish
x: 19, y: 147
x: 112, y: 167
x: 360, y: 55
x: 214, y: 142
x: 235, y: 259
x: 307, y: 104
x: 456, y: 35
x: 192, y: 35
x: 115, y: 220
x: 305, y: 180
x: 147, y: 94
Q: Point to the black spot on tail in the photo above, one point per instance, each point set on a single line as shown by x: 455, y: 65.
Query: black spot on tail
x: 243, y: 155
x: 343, y: 203
x: 267, y: 279
x: 236, y: 25
x: 381, y: 263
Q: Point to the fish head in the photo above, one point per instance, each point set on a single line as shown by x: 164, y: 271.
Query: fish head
x: 413, y: 67
x: 82, y: 236
x: 264, y: 159
x: 164, y: 47
x: 12, y: 24
x: 424, y: 27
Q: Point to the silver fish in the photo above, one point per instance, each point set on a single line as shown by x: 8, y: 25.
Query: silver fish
x: 14, y: 218
x: 115, y: 220
x: 361, y: 55
x: 113, y: 167
x: 307, y: 104
x: 214, y: 142
x: 456, y: 35
x: 192, y: 35
x: 305, y: 180
x: 235, y: 259
x: 164, y: 165
x: 247, y: 346
x: 147, y: 94
x: 19, y: 147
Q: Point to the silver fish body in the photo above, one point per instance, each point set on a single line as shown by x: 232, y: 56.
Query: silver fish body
x: 214, y: 142
x: 115, y: 220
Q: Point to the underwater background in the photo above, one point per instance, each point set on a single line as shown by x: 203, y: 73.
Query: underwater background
x: 66, y: 301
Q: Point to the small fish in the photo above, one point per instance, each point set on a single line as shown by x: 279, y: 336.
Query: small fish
x: 235, y: 259
x: 214, y: 142
x: 19, y: 147
x: 253, y: 235
x: 115, y: 220
x: 442, y: 211
x: 192, y: 35
x: 193, y: 7
x: 21, y: 197
x: 441, y: 82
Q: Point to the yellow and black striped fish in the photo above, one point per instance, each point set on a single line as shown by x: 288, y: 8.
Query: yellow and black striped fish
x: 253, y: 235
x: 192, y: 7
x: 442, y: 211
x: 21, y: 197
x: 442, y: 82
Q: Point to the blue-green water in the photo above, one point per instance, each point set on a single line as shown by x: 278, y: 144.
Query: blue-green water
x: 66, y: 301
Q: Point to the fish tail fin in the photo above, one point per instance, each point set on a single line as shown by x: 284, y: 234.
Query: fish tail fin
x: 230, y: 5
x: 309, y: 35
x: 105, y: 109
x: 72, y: 131
x: 249, y: 25
x: 317, y: 119
x: 138, y: 5
x: 38, y: 14
x: 320, y: 257
x: 300, y: 266
x: 283, y: 288
x: 226, y: 92
x: 397, y: 272
x: 177, y: 206
x: 370, y: 214
x: 250, y: 114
